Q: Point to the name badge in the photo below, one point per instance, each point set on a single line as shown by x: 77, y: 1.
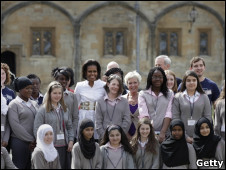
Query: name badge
x: 2, y: 128
x: 191, y: 122
x: 222, y: 128
x: 208, y: 92
x: 60, y: 136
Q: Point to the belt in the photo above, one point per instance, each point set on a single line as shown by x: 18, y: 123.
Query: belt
x: 88, y: 105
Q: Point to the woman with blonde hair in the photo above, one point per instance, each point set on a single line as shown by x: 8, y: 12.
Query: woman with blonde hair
x: 55, y: 113
x: 171, y: 80
x: 132, y: 81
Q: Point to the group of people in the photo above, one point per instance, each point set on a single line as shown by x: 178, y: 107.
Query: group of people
x: 108, y: 122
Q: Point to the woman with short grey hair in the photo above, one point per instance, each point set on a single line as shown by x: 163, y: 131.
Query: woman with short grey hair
x: 132, y: 80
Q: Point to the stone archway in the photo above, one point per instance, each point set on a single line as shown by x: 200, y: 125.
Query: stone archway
x: 84, y: 15
x: 9, y: 58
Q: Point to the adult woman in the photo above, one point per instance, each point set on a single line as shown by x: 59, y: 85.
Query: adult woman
x: 86, y: 152
x: 171, y: 80
x: 145, y: 146
x: 62, y: 76
x: 55, y: 113
x: 5, y: 80
x: 176, y: 153
x: 191, y: 103
x: 219, y: 125
x: 207, y: 145
x: 45, y: 155
x: 156, y: 101
x: 112, y: 109
x: 21, y: 115
x: 132, y: 80
x: 89, y: 91
x: 116, y: 150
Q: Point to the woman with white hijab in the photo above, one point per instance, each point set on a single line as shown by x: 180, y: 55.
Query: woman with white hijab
x: 45, y: 156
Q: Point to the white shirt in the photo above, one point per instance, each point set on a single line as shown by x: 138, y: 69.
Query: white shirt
x: 193, y: 98
x: 28, y: 103
x: 84, y: 92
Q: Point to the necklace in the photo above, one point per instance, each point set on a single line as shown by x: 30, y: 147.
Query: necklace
x: 133, y: 100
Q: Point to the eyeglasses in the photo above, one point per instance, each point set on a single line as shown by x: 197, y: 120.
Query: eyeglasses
x: 157, y: 77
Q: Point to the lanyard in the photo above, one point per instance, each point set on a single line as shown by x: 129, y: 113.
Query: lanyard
x: 118, y: 160
x: 90, y: 162
x: 112, y: 113
x: 191, y: 106
x: 156, y: 103
x: 59, y: 118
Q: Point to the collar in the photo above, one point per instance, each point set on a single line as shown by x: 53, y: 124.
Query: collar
x: 197, y: 94
x: 66, y: 92
x: 117, y: 98
x: 142, y: 143
x: 39, y: 95
x: 113, y: 148
x: 153, y: 94
x: 28, y: 103
x: 58, y: 107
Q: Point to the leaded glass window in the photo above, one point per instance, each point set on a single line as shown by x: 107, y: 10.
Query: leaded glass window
x: 115, y: 41
x: 42, y: 41
x: 169, y: 42
x: 203, y: 43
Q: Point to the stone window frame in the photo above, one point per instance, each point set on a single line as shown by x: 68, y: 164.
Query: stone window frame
x: 114, y: 30
x: 42, y: 29
x: 168, y: 31
x: 208, y: 31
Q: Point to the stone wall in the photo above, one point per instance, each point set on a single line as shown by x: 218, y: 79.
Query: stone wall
x: 92, y: 17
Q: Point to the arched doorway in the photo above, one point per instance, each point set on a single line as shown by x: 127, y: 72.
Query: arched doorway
x: 9, y: 58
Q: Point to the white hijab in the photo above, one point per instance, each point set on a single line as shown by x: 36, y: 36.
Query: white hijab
x: 4, y: 107
x: 50, y: 152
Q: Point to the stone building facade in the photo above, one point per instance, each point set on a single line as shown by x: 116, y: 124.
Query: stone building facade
x: 138, y: 32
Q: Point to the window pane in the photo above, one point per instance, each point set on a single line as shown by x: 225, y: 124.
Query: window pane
x: 108, y: 43
x: 36, y: 43
x: 163, y: 43
x: 119, y: 43
x: 173, y: 44
x: 203, y: 43
x: 47, y: 43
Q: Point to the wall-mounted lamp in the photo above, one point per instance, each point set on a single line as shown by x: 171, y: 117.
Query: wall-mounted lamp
x: 193, y: 16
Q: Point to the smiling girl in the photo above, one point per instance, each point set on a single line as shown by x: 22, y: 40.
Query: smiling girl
x: 112, y: 109
x: 86, y: 152
x: 55, y: 113
x: 45, y: 155
x: 191, y: 103
x: 116, y: 150
x: 208, y: 146
x: 145, y: 146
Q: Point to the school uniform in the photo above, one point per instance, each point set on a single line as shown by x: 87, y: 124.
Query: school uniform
x: 86, y: 153
x: 62, y: 128
x: 177, y: 153
x: 189, y: 111
x: 210, y: 147
x: 71, y: 102
x: 219, y: 125
x: 21, y: 117
x: 6, y: 162
x: 80, y: 162
x: 146, y: 160
x: 112, y: 112
x: 5, y: 129
x: 116, y: 159
x: 45, y: 156
x: 155, y: 107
